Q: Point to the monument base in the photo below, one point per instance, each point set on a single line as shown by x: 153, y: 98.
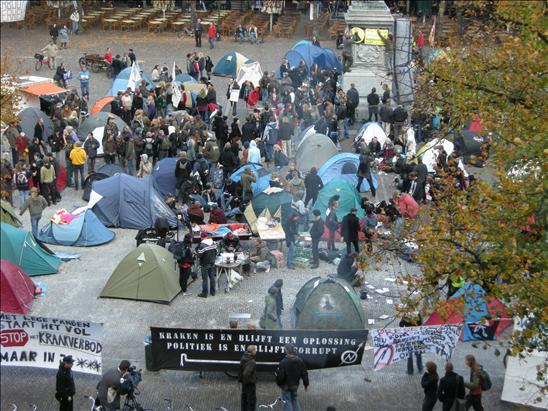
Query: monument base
x: 364, y: 82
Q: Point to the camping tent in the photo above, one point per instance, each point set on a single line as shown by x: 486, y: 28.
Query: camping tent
x: 304, y: 133
x: 163, y: 176
x: 8, y: 215
x: 129, y: 202
x: 121, y: 81
x: 84, y: 230
x: 229, y: 65
x: 311, y: 54
x: 19, y: 247
x: 344, y: 166
x: 314, y: 151
x: 98, y: 120
x: 429, y: 152
x: 250, y: 72
x: 349, y: 198
x: 262, y: 176
x: 471, y: 305
x: 102, y: 105
x: 106, y: 171
x: 272, y: 202
x: 327, y: 304
x: 185, y: 78
x: 16, y: 289
x: 29, y: 116
x: 148, y: 273
x: 370, y: 130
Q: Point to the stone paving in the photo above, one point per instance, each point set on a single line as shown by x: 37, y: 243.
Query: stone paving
x: 73, y: 292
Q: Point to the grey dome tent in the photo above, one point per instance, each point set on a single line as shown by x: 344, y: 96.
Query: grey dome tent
x: 129, y: 202
x: 327, y: 304
x: 314, y: 151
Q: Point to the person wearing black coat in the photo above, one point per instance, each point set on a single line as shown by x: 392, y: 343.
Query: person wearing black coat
x: 249, y: 130
x: 312, y: 184
x: 451, y: 387
x: 288, y: 375
x: 429, y: 384
x: 350, y: 227
x: 228, y: 160
x: 278, y: 284
x: 64, y: 386
x: 316, y: 232
x: 414, y: 187
x: 346, y: 268
x: 352, y: 102
x: 373, y: 101
x: 185, y: 259
x: 247, y: 376
x: 364, y: 171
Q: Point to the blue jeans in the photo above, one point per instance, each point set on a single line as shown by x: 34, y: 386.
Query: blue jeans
x: 410, y: 363
x: 23, y: 195
x: 211, y: 44
x: 264, y: 94
x: 346, y: 125
x: 269, y: 148
x: 75, y: 26
x: 208, y: 274
x: 34, y: 219
x: 252, y: 38
x: 240, y: 37
x: 291, y: 401
x: 290, y: 252
x: 130, y: 166
x: 85, y: 89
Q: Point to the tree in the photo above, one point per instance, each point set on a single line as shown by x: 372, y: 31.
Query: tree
x: 9, y: 95
x: 494, y: 233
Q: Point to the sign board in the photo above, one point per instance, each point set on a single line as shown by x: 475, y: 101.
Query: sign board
x: 394, y: 344
x: 374, y: 37
x: 221, y: 350
x: 29, y: 341
x: 13, y: 10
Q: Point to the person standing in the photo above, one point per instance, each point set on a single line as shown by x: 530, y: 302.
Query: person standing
x: 84, y: 76
x: 22, y: 176
x: 279, y: 283
x: 129, y: 155
x: 473, y: 399
x: 364, y: 171
x: 112, y: 386
x: 63, y: 35
x: 247, y: 179
x: 198, y: 33
x: 429, y: 383
x: 288, y: 375
x: 64, y: 386
x: 331, y: 221
x: 350, y: 228
x: 36, y: 204
x: 91, y: 145
x: 373, y: 101
x: 185, y: 259
x: 51, y: 52
x: 352, y: 103
x: 75, y: 20
x: 316, y: 232
x: 386, y: 114
x: 211, y: 35
x: 412, y: 321
x: 247, y: 376
x: 207, y: 252
x: 54, y: 33
x: 451, y: 388
x: 47, y: 180
x: 269, y: 319
x: 11, y: 134
x: 78, y: 159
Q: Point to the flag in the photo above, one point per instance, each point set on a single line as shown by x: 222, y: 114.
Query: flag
x: 134, y: 77
x: 432, y: 33
x: 176, y: 95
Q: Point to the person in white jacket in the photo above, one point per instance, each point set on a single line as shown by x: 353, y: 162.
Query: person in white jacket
x: 254, y: 154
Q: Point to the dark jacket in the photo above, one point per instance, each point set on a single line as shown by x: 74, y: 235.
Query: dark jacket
x: 331, y: 221
x: 207, y: 251
x: 350, y: 227
x: 386, y: 113
x: 346, y: 269
x: 364, y: 168
x: 249, y: 131
x: 111, y: 379
x: 228, y: 160
x: 64, y: 386
x: 353, y: 97
x: 399, y: 115
x: 183, y: 169
x: 429, y: 383
x: 373, y: 99
x: 449, y: 388
x: 313, y: 184
x: 247, y: 373
x: 91, y: 147
x: 316, y: 231
x: 290, y: 371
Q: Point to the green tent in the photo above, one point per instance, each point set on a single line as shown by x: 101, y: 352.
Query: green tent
x: 349, y: 198
x: 148, y: 273
x: 8, y: 214
x: 272, y: 202
x: 20, y: 247
x: 327, y: 304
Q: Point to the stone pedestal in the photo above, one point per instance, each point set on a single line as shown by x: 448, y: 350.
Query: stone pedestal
x: 371, y: 67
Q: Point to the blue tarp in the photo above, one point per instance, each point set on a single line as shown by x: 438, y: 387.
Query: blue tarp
x: 130, y: 202
x: 305, y: 50
x: 185, y: 78
x: 344, y: 166
x: 121, y: 81
x: 262, y: 176
x: 475, y: 307
x: 84, y: 230
x: 163, y: 176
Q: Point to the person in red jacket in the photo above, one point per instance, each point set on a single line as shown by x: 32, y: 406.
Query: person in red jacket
x: 407, y: 205
x: 253, y: 98
x: 211, y: 35
x: 108, y: 56
x: 22, y: 145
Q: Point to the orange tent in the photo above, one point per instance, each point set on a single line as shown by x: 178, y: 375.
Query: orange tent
x: 44, y: 89
x: 100, y: 105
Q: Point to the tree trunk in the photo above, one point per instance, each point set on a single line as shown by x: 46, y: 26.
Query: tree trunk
x: 192, y: 10
x: 441, y: 12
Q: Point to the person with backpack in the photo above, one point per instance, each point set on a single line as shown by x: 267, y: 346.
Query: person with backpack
x: 22, y: 175
x: 185, y: 259
x: 316, y: 232
x: 291, y: 370
x: 36, y: 204
x: 207, y: 252
x: 450, y: 388
x: 479, y: 381
x: 270, y: 137
x: 201, y: 167
x: 165, y: 144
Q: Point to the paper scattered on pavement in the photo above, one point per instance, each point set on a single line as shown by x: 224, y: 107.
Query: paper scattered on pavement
x: 370, y: 321
x: 383, y: 317
x: 389, y: 301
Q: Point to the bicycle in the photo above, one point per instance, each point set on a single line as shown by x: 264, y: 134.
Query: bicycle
x: 41, y: 60
x: 271, y: 406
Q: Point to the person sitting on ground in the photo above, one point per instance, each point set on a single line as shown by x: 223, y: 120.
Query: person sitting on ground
x: 195, y: 213
x: 347, y: 269
x: 260, y: 259
x: 231, y: 243
x: 217, y: 215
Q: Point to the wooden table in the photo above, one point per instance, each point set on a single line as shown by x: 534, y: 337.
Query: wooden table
x: 109, y: 24
x: 156, y: 25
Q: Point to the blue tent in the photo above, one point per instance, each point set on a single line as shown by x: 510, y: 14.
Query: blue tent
x: 344, y: 166
x: 185, y: 78
x: 305, y: 50
x: 229, y: 64
x: 83, y: 231
x: 130, y: 202
x: 163, y: 176
x: 121, y: 81
x: 262, y: 176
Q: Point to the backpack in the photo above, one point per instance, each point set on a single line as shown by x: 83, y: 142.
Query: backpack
x: 149, y: 144
x: 485, y: 382
x: 166, y: 144
x: 21, y: 179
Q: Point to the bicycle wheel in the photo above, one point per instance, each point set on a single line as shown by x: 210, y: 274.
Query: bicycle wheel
x: 96, y: 67
x: 38, y: 65
x: 82, y: 61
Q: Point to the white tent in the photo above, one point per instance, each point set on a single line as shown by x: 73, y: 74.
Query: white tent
x: 429, y: 152
x: 370, y: 130
x: 250, y: 72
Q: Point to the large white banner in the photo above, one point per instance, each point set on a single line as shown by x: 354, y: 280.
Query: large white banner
x: 13, y: 10
x: 28, y: 341
x: 394, y: 344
